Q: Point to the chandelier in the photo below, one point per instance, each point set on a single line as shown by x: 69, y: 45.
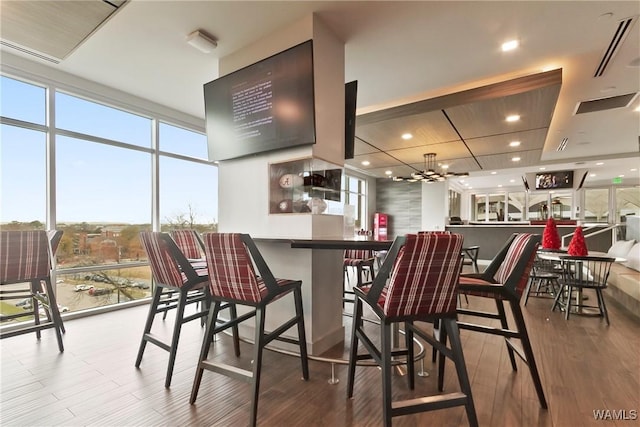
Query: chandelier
x: 430, y: 174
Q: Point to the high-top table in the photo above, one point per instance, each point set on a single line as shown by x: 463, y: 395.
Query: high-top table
x: 329, y: 301
x: 358, y: 243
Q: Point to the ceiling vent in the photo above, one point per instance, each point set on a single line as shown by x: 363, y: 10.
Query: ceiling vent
x: 620, y: 35
x: 619, y: 101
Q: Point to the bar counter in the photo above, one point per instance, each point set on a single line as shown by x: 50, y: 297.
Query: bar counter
x: 491, y: 236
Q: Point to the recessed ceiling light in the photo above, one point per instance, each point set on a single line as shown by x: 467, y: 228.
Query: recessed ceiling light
x: 514, y: 144
x: 444, y: 166
x: 637, y: 109
x: 366, y: 163
x: 512, y: 180
x: 543, y: 169
x: 599, y: 164
x: 513, y: 118
x: 592, y: 175
x: 499, y: 185
x: 407, y: 136
x: 510, y: 45
x: 494, y: 172
x: 621, y: 176
x: 515, y: 159
x: 633, y: 170
x: 388, y: 172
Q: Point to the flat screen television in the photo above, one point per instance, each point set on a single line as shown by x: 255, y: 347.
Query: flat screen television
x: 550, y: 180
x: 265, y: 106
x: 350, y: 102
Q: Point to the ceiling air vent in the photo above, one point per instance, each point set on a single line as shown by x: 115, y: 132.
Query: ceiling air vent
x: 605, y: 103
x: 621, y: 33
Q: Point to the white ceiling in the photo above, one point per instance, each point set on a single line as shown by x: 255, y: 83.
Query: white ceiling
x: 399, y: 52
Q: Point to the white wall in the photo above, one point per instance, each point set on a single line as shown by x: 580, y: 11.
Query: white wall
x: 435, y: 206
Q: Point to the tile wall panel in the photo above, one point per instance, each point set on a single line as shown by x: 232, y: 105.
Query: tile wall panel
x: 402, y: 201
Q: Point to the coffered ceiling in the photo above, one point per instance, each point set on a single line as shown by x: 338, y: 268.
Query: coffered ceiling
x: 431, y: 68
x: 466, y: 130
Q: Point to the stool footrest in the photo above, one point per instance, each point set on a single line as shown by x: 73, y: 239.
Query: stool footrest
x: 421, y: 404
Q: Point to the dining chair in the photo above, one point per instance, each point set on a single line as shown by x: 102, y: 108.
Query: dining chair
x: 233, y: 280
x: 176, y: 285
x: 504, y: 280
x: 363, y: 261
x: 578, y: 274
x: 25, y: 257
x: 418, y: 281
x: 543, y: 279
x: 471, y: 257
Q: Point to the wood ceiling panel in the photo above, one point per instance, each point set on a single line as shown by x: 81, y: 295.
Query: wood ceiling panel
x: 487, y: 117
x: 427, y: 128
x: 379, y: 159
x: 360, y: 148
x: 445, y: 152
x: 477, y: 114
x: 499, y: 144
x: 503, y: 161
x: 54, y: 28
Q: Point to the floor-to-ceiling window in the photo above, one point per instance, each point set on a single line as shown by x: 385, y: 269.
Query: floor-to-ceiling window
x: 596, y: 204
x: 101, y: 173
x: 355, y: 190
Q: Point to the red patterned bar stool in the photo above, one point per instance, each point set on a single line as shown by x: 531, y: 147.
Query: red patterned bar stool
x: 418, y: 281
x: 230, y: 260
x: 363, y: 261
x: 176, y: 285
x: 504, y: 281
x: 25, y: 258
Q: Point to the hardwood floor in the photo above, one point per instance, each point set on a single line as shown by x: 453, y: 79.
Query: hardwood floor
x: 584, y: 365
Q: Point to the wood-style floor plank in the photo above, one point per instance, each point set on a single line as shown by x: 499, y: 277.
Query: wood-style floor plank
x: 584, y: 366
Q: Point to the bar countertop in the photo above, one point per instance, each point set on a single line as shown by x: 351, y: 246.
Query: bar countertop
x: 329, y: 242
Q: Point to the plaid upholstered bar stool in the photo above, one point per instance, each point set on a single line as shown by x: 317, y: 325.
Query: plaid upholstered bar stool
x: 230, y: 260
x: 417, y: 282
x: 363, y: 262
x: 189, y: 243
x: 25, y: 258
x: 176, y: 285
x: 504, y: 281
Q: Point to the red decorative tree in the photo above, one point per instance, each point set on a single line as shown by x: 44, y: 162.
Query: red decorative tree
x: 550, y: 236
x: 577, y: 246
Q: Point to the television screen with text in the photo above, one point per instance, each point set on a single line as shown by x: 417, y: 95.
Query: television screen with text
x: 265, y: 106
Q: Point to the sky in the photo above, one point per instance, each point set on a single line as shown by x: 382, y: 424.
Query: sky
x: 97, y: 182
